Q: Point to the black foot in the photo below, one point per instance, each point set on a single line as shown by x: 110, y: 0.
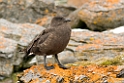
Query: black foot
x: 62, y: 66
x: 49, y: 67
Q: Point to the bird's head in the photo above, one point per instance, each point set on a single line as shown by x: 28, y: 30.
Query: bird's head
x: 59, y: 21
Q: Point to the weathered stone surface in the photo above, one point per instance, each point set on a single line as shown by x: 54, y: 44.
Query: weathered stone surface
x: 84, y: 45
x: 75, y: 74
x: 32, y: 11
x: 7, y: 81
x: 96, y: 45
x: 13, y: 39
x: 25, y: 10
x: 75, y: 20
x: 77, y: 3
x: 95, y: 15
x: 67, y: 57
x: 102, y: 14
x: 120, y: 74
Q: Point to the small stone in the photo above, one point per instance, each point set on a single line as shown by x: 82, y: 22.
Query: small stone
x: 60, y: 80
x: 80, y: 77
x: 47, y: 81
x: 120, y: 74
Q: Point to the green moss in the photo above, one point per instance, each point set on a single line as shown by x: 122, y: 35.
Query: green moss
x: 14, y: 77
x: 115, y: 61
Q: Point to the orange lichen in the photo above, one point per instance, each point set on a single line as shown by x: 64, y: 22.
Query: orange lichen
x: 112, y: 1
x: 93, y: 72
x: 42, y: 21
x: 27, y: 26
x: 88, y: 46
x: 3, y: 28
x: 1, y: 0
x: 46, y: 11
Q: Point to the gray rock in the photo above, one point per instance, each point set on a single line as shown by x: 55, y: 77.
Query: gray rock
x: 7, y: 50
x: 19, y: 32
x: 31, y: 11
x: 7, y: 81
x: 88, y: 45
x: 60, y: 80
x: 97, y: 15
x: 25, y: 11
x: 75, y: 20
x: 64, y: 10
x: 102, y: 15
x: 80, y: 78
x: 67, y: 57
x: 47, y: 81
x: 120, y: 74
x: 77, y: 3
x: 13, y: 39
x: 27, y: 77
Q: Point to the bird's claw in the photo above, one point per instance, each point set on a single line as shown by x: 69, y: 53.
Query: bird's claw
x: 62, y: 66
x: 49, y: 67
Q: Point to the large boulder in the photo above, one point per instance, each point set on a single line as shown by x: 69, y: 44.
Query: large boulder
x: 33, y: 11
x: 100, y: 15
x: 96, y: 46
x: 13, y: 39
x: 95, y: 15
x: 25, y: 10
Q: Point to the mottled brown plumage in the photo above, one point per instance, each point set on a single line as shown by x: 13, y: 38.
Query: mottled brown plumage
x: 52, y: 40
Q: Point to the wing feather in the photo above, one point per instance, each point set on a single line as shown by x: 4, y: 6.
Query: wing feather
x: 38, y: 40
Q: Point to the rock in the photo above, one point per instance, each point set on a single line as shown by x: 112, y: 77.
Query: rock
x: 67, y: 57
x: 84, y: 45
x: 81, y: 78
x: 32, y: 11
x: 101, y: 15
x: 19, y: 32
x: 67, y: 10
x: 13, y: 39
x: 120, y: 74
x: 87, y: 16
x: 7, y: 81
x: 7, y: 48
x: 75, y: 74
x: 25, y: 11
x: 77, y: 3
x: 88, y: 45
x: 75, y: 20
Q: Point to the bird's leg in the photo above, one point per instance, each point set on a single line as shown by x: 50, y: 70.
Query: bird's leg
x: 60, y: 65
x: 45, y: 64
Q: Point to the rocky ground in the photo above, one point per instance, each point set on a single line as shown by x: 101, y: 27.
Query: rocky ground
x: 75, y: 74
x: 93, y: 57
x: 90, y: 58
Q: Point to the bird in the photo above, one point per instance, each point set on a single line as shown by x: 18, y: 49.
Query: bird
x: 51, y: 41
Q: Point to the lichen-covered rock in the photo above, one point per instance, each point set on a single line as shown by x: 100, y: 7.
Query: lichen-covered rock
x: 75, y: 74
x: 22, y: 11
x: 7, y: 51
x: 84, y: 45
x: 95, y: 45
x: 13, y: 39
x: 102, y: 14
x: 32, y: 11
x: 120, y: 74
